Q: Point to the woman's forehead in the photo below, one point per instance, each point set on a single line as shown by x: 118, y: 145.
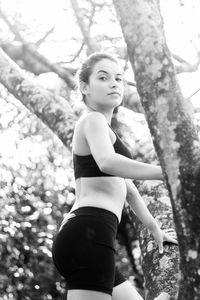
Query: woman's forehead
x: 107, y: 66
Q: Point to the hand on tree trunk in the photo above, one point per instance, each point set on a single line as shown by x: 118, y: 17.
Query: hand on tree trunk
x: 163, y: 236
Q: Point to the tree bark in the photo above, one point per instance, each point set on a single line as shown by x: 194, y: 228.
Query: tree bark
x: 171, y: 126
x: 55, y: 112
x: 160, y: 270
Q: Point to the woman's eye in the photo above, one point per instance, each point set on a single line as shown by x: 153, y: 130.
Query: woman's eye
x: 103, y: 78
x: 119, y: 79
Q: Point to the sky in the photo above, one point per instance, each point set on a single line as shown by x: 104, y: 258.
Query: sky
x: 182, y: 30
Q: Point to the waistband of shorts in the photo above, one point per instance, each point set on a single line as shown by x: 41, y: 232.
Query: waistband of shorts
x: 95, y: 211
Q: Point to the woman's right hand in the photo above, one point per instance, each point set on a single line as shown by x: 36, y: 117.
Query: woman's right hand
x: 165, y: 235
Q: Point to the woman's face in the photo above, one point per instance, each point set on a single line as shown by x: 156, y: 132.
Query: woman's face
x: 105, y: 88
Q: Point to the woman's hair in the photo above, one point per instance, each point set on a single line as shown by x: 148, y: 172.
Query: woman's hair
x: 87, y: 67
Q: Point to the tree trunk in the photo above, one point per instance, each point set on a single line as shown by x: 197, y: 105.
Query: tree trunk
x: 160, y: 270
x: 171, y: 126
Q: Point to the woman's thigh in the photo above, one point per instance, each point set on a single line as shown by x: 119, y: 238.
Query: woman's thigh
x: 125, y: 291
x: 87, y: 295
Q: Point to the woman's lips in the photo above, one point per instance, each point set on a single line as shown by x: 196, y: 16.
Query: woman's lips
x: 114, y: 93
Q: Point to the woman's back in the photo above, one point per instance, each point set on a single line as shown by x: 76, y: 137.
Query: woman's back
x: 95, y: 188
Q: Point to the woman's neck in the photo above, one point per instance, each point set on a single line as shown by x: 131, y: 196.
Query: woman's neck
x: 107, y: 114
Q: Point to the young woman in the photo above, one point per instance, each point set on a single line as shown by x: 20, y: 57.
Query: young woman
x: 83, y: 250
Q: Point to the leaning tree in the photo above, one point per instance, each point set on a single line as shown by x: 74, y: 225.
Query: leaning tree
x: 171, y: 125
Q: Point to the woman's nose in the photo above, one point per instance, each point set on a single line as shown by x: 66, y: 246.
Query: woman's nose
x: 113, y: 83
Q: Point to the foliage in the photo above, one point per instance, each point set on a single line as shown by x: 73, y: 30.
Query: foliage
x: 35, y: 191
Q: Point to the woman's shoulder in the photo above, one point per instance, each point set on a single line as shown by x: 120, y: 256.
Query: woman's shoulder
x: 89, y: 122
x: 90, y: 118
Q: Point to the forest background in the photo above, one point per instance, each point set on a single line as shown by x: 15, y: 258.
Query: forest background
x: 48, y: 40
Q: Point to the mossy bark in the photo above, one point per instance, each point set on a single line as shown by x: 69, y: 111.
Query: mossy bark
x: 171, y: 126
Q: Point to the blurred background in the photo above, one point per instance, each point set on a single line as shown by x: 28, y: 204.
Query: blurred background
x: 49, y: 39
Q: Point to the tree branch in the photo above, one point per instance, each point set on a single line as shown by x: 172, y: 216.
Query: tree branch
x: 82, y: 26
x: 31, y: 49
x: 186, y: 66
x: 42, y: 39
x: 55, y: 112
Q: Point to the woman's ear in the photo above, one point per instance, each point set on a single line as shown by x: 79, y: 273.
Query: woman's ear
x: 83, y: 87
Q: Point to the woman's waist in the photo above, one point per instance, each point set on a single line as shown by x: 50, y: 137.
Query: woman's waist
x: 104, y: 187
x: 92, y: 214
x: 112, y: 204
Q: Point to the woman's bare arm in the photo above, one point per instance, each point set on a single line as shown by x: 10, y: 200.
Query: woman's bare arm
x: 139, y: 207
x: 97, y: 136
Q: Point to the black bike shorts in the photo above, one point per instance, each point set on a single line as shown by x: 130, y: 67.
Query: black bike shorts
x: 83, y: 250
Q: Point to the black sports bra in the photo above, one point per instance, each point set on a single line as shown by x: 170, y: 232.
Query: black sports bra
x: 86, y: 166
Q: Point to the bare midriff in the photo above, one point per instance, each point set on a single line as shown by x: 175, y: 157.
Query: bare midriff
x: 102, y: 192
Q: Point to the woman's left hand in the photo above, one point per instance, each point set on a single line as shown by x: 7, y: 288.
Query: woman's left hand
x: 165, y: 235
